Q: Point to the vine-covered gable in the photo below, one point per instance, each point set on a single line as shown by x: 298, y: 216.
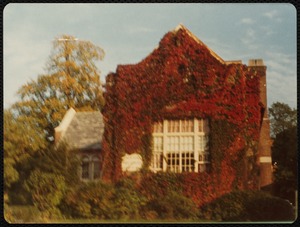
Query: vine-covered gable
x: 183, y: 78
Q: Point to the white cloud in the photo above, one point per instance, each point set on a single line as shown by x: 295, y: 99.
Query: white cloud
x: 267, y: 30
x: 249, y: 39
x: 247, y: 21
x: 281, y: 78
x: 281, y: 89
x: 282, y: 63
x: 273, y: 15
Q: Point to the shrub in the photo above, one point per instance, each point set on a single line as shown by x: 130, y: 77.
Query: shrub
x: 172, y: 206
x: 270, y: 208
x: 127, y: 200
x: 46, y: 189
x: 90, y: 200
x: 247, y: 206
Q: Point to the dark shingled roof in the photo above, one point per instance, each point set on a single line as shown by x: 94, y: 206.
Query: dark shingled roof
x: 85, y: 131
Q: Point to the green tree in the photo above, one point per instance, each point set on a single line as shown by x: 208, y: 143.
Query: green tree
x: 284, y: 156
x: 282, y: 117
x: 21, y: 140
x: 72, y: 80
x: 284, y: 149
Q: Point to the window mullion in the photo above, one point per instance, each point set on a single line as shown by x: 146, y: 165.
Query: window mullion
x: 91, y: 173
x: 196, y: 144
x: 165, y: 136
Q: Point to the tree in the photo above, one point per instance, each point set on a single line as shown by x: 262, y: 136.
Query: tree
x: 284, y: 149
x: 284, y: 155
x: 20, y: 142
x: 282, y: 117
x: 72, y: 80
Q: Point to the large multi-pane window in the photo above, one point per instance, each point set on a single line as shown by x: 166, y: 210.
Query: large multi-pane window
x: 180, y: 145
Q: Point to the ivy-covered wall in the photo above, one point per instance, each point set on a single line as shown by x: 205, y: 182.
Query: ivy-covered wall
x: 181, y: 78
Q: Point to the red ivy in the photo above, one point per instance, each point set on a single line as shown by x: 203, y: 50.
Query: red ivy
x: 180, y: 79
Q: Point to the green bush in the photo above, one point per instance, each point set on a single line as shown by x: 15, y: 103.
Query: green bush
x: 127, y: 200
x: 229, y: 207
x: 104, y: 201
x: 172, y: 206
x: 270, y: 208
x: 46, y: 189
x: 247, y: 206
x: 90, y: 200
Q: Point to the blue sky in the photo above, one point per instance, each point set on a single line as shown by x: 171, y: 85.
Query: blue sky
x: 129, y: 32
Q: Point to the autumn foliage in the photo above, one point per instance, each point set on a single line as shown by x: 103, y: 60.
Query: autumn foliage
x: 181, y: 78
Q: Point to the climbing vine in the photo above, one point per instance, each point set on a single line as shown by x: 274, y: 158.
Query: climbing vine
x: 182, y: 79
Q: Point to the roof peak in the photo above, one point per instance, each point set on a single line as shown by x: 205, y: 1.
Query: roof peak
x: 180, y: 26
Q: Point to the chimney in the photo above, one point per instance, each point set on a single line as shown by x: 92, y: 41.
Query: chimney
x: 264, y: 146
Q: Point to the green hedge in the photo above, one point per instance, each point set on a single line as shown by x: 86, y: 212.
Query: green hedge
x: 124, y: 201
x: 254, y: 206
x: 173, y: 206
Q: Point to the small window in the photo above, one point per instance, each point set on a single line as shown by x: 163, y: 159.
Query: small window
x: 96, y: 167
x: 85, y: 168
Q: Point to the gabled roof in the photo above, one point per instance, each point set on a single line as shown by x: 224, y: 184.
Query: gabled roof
x: 175, y: 31
x: 81, y: 130
x: 182, y: 27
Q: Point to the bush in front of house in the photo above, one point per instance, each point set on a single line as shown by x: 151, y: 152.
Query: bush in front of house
x: 270, y: 208
x: 127, y: 201
x: 89, y: 200
x: 166, y: 200
x: 104, y: 201
x: 47, y: 191
x: 247, y: 206
x: 172, y: 206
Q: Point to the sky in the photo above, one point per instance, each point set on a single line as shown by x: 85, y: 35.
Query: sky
x: 129, y: 32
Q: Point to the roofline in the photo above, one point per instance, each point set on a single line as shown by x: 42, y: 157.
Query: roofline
x: 181, y: 26
x: 64, y: 124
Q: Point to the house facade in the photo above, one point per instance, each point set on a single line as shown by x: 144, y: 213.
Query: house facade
x: 82, y: 132
x: 185, y: 109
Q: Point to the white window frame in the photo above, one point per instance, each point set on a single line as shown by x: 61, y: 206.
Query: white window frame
x: 175, y: 144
